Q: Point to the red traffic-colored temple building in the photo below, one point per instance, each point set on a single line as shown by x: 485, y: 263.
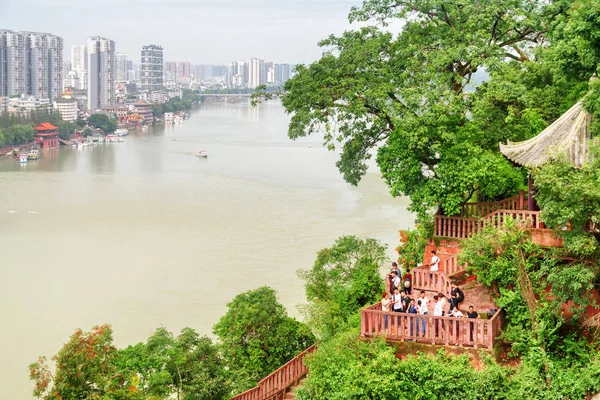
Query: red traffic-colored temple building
x: 46, y: 136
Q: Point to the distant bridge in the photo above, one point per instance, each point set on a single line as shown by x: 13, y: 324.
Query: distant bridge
x: 225, y: 95
x: 229, y: 98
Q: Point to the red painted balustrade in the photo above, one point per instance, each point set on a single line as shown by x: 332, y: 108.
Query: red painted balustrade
x: 465, y: 227
x: 477, y: 333
x: 435, y: 281
x: 274, y: 386
x: 481, y: 209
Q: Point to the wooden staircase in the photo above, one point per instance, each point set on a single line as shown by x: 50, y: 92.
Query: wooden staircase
x: 281, y: 383
x: 474, y: 218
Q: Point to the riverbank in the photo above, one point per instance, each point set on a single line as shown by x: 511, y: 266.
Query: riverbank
x: 144, y: 234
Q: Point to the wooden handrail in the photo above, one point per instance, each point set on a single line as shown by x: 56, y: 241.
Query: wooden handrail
x: 465, y: 227
x: 480, y: 209
x: 430, y: 329
x: 280, y: 380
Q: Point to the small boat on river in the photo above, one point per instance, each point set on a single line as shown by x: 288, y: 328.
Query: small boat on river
x: 33, y: 154
x: 202, y: 154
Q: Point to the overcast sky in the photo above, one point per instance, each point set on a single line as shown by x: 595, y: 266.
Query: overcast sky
x: 199, y: 31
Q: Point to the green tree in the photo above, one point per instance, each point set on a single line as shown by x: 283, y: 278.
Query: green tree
x: 2, y: 138
x: 350, y: 368
x: 343, y: 279
x: 103, y: 122
x: 187, y: 366
x: 536, y: 286
x: 406, y: 96
x: 84, y: 370
x: 20, y: 134
x: 257, y: 336
x: 66, y: 129
x: 570, y: 197
x: 409, y: 99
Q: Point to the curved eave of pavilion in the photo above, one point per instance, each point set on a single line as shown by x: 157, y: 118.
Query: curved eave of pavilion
x: 568, y: 135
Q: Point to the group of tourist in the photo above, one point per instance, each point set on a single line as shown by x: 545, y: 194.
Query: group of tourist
x: 400, y: 299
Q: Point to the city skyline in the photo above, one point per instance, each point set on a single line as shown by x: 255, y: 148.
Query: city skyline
x: 198, y: 31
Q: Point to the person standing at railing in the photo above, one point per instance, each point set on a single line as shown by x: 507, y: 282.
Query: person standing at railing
x: 423, y: 309
x: 385, y: 306
x: 438, y: 311
x: 457, y: 314
x: 444, y: 303
x: 395, y: 281
x: 397, y: 305
x: 412, y: 309
x: 471, y: 314
x: 407, y: 282
x: 434, y: 266
x: 405, y: 301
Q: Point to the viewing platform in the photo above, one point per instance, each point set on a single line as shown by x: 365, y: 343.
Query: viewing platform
x: 394, y: 326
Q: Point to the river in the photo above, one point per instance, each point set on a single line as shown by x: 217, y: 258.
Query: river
x: 143, y: 234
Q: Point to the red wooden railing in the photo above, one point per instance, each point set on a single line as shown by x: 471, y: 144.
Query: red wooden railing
x: 435, y: 281
x: 481, y: 209
x: 465, y: 227
x: 456, y: 227
x: 438, y: 330
x: 274, y: 386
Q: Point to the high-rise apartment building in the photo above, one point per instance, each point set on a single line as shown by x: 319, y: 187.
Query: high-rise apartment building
x: 151, y: 71
x: 101, y: 72
x: 256, y: 73
x: 183, y: 72
x: 243, y: 71
x: 121, y: 66
x: 12, y: 63
x: 286, y: 71
x: 170, y: 71
x: 79, y: 64
x: 31, y: 63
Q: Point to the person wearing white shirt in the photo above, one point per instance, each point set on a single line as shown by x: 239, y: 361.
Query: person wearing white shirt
x: 385, y: 306
x: 422, y: 309
x: 457, y: 314
x: 438, y: 311
x: 434, y: 265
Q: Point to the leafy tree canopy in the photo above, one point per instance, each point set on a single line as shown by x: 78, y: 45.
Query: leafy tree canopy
x: 66, y: 129
x: 19, y: 134
x: 257, y: 336
x: 350, y: 368
x: 407, y: 98
x: 570, y: 198
x: 84, y: 370
x: 544, y: 295
x: 187, y: 366
x: 343, y: 279
x: 103, y: 122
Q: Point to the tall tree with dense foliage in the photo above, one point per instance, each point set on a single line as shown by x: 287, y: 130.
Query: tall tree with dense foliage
x: 20, y: 134
x: 66, y: 129
x: 536, y: 287
x: 103, y: 122
x: 84, y: 370
x: 257, y: 336
x: 187, y: 367
x: 570, y: 198
x: 408, y: 97
x: 343, y: 279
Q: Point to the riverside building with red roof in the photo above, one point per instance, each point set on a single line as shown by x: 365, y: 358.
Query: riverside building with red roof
x: 46, y: 135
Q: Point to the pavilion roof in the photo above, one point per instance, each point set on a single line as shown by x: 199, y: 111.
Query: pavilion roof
x: 45, y: 126
x: 569, y: 135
